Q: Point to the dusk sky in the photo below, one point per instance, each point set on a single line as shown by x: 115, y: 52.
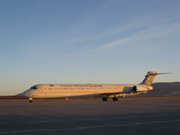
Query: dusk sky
x: 87, y: 41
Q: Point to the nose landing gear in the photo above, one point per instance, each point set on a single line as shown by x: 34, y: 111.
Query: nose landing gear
x: 30, y: 100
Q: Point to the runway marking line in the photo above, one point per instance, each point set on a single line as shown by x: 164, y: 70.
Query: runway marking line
x: 88, y: 127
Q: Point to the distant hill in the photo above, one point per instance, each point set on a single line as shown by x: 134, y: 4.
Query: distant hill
x: 163, y: 89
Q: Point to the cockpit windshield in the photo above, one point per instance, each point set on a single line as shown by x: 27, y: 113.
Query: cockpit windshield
x: 34, y: 87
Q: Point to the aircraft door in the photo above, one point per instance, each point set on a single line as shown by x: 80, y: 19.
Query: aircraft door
x: 40, y: 89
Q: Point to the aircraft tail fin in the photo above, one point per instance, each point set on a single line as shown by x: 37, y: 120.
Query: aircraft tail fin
x: 150, y: 77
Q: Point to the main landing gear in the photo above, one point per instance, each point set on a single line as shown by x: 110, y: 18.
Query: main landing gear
x: 104, y: 98
x: 114, y: 98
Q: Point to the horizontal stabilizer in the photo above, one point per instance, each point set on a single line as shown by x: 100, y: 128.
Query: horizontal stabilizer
x: 150, y: 77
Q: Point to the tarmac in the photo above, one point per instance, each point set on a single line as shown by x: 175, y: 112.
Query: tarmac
x: 91, y: 116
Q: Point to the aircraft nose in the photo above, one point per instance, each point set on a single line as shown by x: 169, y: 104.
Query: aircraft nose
x: 24, y: 94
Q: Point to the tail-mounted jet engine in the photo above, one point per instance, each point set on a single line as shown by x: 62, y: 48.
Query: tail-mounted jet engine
x: 141, y: 88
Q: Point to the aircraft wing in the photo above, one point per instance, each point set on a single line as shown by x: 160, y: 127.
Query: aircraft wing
x: 120, y: 94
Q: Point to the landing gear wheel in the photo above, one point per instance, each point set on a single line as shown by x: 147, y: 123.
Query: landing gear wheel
x: 30, y: 100
x: 104, y: 98
x: 115, y: 99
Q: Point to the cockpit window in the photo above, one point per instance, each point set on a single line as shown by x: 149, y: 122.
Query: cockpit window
x: 34, y: 87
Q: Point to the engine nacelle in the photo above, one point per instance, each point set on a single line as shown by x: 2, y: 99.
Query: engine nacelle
x: 141, y: 88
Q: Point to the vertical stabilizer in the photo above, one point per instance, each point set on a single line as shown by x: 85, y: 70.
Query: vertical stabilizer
x: 149, y: 78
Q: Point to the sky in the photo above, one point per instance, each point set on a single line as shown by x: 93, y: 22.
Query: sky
x: 87, y: 41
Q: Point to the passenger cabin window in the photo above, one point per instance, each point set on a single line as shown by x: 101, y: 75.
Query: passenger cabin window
x: 34, y: 87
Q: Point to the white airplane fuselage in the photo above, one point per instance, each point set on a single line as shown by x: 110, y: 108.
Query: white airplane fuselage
x: 71, y: 90
x: 104, y: 90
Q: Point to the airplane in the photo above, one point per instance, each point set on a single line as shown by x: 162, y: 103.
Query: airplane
x: 77, y: 90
